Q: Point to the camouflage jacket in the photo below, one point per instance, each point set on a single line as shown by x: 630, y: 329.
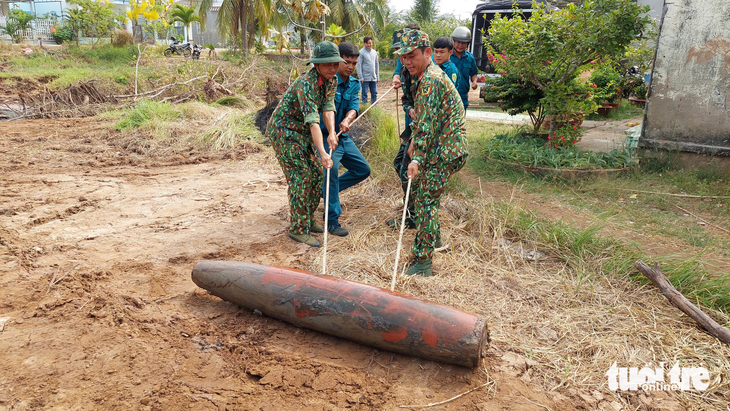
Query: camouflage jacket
x: 439, y: 130
x: 409, y: 86
x: 306, y: 98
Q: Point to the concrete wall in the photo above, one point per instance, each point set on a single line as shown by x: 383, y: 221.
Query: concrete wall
x: 688, y: 106
x: 210, y: 35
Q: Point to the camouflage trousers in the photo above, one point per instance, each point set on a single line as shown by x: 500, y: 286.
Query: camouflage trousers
x: 400, y: 163
x: 428, y: 188
x: 303, y: 171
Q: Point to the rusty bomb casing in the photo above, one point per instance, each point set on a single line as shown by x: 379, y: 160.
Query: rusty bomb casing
x: 358, y: 312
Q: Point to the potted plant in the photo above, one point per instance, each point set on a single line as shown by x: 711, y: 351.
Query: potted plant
x: 606, y: 80
x: 639, y: 97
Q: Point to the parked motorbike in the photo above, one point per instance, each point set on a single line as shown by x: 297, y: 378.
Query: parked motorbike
x: 633, y: 78
x: 196, y: 51
x: 177, y: 48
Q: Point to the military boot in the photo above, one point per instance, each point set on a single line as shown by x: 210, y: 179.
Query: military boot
x: 423, y: 268
x: 305, y: 238
x: 316, y: 228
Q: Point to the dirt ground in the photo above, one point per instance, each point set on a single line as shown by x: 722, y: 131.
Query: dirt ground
x: 98, y: 237
x: 97, y: 244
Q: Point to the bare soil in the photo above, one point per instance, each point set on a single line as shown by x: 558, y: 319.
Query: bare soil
x: 97, y: 243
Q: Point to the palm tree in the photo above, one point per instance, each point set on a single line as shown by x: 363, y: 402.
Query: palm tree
x: 424, y: 11
x: 347, y: 14
x: 377, y: 11
x: 240, y: 18
x: 185, y: 15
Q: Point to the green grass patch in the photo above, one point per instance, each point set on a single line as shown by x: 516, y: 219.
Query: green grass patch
x: 384, y: 142
x: 105, y: 64
x: 149, y: 115
x: 519, y: 148
x: 623, y: 201
x: 588, y: 253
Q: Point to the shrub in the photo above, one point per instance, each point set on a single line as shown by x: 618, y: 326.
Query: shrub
x: 16, y: 24
x: 61, y: 33
x: 607, y: 81
x: 517, y: 96
x: 259, y: 47
x: 640, y: 91
x: 121, y: 38
x: 552, y: 48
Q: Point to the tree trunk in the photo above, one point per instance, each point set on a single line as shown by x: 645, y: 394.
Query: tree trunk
x: 251, y: 28
x: 243, y: 20
x: 302, y: 41
x: 234, y: 29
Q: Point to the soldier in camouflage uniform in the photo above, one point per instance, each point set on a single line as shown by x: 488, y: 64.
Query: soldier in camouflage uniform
x: 295, y: 133
x: 409, y: 84
x: 438, y: 147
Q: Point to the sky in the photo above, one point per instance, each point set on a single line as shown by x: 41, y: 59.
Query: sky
x: 461, y: 8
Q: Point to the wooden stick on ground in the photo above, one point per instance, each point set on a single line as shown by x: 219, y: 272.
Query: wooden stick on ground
x: 433, y: 404
x: 678, y: 300
x: 400, y: 238
x: 704, y: 220
x: 670, y: 194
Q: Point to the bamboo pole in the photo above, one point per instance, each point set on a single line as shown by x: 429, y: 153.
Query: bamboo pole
x: 400, y: 237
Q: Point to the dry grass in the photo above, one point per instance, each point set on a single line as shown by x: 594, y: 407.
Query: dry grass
x: 573, y: 324
x: 162, y: 129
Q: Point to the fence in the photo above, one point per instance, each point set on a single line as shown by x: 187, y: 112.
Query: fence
x: 39, y: 28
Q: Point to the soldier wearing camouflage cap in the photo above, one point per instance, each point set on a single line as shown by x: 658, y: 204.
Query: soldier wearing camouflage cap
x: 438, y: 147
x: 295, y: 134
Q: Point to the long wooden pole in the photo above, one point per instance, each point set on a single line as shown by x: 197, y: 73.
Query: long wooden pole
x: 400, y: 238
x: 678, y: 300
x: 397, y: 111
x: 326, y: 214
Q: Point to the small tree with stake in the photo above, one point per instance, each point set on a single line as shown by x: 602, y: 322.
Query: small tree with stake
x: 552, y: 48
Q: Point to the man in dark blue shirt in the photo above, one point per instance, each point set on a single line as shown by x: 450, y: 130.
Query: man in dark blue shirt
x: 347, y: 105
x: 465, y: 63
x: 443, y: 49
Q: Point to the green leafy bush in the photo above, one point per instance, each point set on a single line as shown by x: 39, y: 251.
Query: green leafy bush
x: 61, y: 33
x: 527, y: 150
x: 517, y: 96
x: 17, y: 22
x: 640, y: 91
x: 552, y: 48
x: 607, y: 81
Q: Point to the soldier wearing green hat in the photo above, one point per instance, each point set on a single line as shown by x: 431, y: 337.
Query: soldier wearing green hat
x: 438, y: 147
x: 295, y: 134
